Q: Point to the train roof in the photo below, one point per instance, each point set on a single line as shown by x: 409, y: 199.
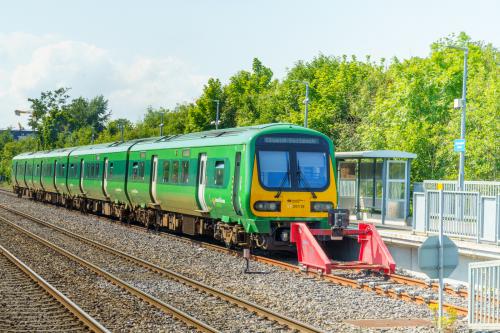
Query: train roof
x: 226, y: 136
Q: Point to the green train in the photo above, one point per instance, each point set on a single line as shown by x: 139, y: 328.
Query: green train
x: 242, y: 186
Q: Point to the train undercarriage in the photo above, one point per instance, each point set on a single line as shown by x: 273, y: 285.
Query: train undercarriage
x: 231, y: 234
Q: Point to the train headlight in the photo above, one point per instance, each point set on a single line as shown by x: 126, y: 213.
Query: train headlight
x: 267, y: 206
x: 320, y: 206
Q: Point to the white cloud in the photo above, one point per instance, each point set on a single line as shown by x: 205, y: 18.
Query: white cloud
x: 31, y: 64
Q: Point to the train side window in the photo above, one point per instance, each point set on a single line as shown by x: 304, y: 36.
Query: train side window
x: 110, y: 172
x: 185, y: 172
x: 219, y: 173
x: 166, y: 171
x: 97, y: 170
x: 135, y: 167
x: 175, y: 171
x: 141, y: 170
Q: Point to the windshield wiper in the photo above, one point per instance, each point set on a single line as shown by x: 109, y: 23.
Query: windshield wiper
x: 300, y: 176
x: 282, y: 183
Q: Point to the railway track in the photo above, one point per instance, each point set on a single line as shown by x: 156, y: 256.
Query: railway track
x: 8, y: 192
x: 390, y: 287
x: 140, y: 272
x: 116, y: 304
x: 393, y: 286
x: 35, y: 305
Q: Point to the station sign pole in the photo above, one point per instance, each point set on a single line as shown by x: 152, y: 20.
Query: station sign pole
x: 441, y: 257
x: 438, y: 256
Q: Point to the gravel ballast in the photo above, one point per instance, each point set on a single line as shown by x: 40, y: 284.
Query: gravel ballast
x: 217, y: 313
x: 112, y: 307
x: 315, y: 302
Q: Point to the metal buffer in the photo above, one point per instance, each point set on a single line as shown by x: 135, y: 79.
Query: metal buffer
x: 373, y: 253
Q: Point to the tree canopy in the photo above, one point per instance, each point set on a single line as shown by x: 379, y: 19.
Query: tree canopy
x: 361, y: 104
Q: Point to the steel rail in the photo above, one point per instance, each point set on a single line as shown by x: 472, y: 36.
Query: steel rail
x: 388, y: 292
x: 394, y: 277
x: 435, y: 286
x: 78, y: 312
x: 460, y: 310
x: 235, y: 300
x: 330, y: 277
x: 166, y: 308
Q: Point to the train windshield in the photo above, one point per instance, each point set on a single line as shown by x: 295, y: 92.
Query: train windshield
x: 293, y: 164
x: 311, y: 170
x: 275, y: 168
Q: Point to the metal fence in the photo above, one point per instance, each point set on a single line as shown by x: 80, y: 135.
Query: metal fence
x: 465, y: 214
x: 460, y: 213
x: 483, y: 187
x: 484, y: 295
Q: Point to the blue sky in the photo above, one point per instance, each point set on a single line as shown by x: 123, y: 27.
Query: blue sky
x: 159, y: 53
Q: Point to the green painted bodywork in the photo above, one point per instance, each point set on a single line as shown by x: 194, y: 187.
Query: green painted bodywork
x: 121, y: 186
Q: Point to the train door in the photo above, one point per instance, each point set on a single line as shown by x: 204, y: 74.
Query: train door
x: 14, y: 170
x: 236, y: 184
x: 41, y: 175
x: 154, y: 178
x: 202, y: 181
x: 82, y: 172
x: 105, y: 178
x: 24, y: 173
x: 54, y: 177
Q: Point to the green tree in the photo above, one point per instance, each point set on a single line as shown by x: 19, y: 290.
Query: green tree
x: 202, y: 117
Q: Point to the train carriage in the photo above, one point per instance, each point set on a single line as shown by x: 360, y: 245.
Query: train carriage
x: 242, y: 186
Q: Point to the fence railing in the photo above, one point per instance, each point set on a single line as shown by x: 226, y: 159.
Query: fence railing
x: 484, y: 295
x: 465, y: 214
x: 484, y: 187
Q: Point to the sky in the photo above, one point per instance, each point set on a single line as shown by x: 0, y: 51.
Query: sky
x: 161, y: 53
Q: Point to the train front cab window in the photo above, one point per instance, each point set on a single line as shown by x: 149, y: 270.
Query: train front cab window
x: 274, y: 168
x: 312, y: 169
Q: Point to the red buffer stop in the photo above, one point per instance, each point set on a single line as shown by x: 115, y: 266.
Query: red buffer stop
x: 373, y: 253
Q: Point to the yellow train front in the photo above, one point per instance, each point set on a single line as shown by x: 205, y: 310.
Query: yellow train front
x: 293, y: 179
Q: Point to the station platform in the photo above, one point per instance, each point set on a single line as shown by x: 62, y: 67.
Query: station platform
x: 403, y: 244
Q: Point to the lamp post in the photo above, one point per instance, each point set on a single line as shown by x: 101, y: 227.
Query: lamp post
x: 161, y: 124
x: 121, y: 127
x: 19, y: 112
x: 306, y: 101
x: 217, y: 114
x: 457, y: 105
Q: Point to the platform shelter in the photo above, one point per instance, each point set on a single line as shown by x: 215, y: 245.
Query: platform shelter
x: 375, y: 185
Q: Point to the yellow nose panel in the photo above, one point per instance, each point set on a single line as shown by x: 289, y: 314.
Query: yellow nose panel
x: 293, y: 204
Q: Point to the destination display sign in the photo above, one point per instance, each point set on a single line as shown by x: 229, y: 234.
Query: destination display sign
x: 291, y: 140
